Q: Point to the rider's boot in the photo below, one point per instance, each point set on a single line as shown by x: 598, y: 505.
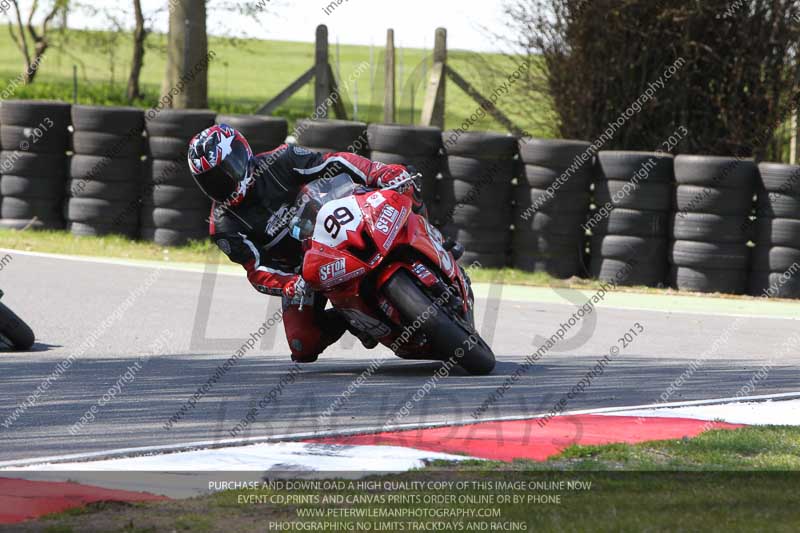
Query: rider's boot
x: 367, y: 340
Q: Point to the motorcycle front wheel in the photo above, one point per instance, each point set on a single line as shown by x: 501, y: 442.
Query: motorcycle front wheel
x: 14, y: 330
x: 449, y: 336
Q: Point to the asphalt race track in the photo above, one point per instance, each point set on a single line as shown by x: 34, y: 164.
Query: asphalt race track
x: 151, y: 323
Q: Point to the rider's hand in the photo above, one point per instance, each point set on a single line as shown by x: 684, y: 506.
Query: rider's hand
x: 295, y: 286
x: 416, y: 192
x: 399, y: 182
x: 409, y: 187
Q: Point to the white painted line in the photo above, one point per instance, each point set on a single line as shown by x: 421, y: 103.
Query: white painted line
x: 699, y: 313
x: 605, y: 410
x: 773, y: 413
x: 172, y: 448
x: 287, y: 456
x: 226, y: 270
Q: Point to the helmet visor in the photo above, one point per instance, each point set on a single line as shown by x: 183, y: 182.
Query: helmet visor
x: 222, y: 182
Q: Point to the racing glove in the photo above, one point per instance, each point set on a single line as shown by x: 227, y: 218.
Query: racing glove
x: 297, y: 292
x: 416, y: 192
x: 296, y: 287
x: 413, y: 189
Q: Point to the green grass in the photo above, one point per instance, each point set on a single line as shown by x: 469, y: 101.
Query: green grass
x: 247, y: 73
x: 741, y: 480
x: 193, y: 522
x: 757, y: 448
x: 63, y: 242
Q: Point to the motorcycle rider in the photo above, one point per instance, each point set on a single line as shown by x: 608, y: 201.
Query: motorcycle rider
x: 252, y: 199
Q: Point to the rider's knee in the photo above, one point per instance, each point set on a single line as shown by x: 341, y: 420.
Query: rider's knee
x: 304, y: 352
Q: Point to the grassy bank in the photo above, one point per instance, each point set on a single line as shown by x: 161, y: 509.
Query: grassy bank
x: 247, y: 73
x: 63, y: 242
x: 582, y: 489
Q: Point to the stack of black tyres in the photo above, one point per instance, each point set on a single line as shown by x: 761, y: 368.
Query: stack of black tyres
x: 711, y: 226
x: 326, y: 136
x: 473, y: 198
x: 34, y: 137
x: 174, y: 209
x: 262, y: 133
x: 629, y: 245
x: 776, y: 258
x: 550, y: 206
x: 105, y: 170
x: 419, y: 146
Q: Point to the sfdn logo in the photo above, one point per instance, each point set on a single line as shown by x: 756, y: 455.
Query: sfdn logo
x: 332, y: 270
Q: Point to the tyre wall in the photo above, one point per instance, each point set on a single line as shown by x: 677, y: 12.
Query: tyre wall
x: 699, y: 223
x: 263, y: 133
x: 473, y: 195
x: 776, y: 257
x: 711, y: 223
x: 34, y: 139
x: 173, y: 209
x: 409, y: 145
x: 632, y: 195
x: 551, y: 200
x: 326, y: 136
x: 105, y: 171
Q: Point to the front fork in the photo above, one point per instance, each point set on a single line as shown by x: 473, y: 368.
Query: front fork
x: 457, y: 304
x: 470, y: 296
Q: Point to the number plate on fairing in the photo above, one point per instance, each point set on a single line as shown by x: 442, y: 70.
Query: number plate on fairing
x: 335, y: 219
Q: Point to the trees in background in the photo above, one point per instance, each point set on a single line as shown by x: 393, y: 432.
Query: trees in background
x: 33, y: 41
x: 187, y: 55
x: 186, y: 49
x: 736, y: 78
x: 117, y: 20
x: 187, y: 45
x: 134, y: 91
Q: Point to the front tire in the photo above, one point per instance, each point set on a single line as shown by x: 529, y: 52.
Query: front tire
x: 13, y: 329
x: 448, y: 335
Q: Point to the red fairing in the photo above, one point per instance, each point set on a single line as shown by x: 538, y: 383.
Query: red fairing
x: 374, y: 173
x: 384, y: 214
x: 337, y: 266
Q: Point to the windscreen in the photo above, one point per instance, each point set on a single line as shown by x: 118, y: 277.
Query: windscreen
x: 312, y: 197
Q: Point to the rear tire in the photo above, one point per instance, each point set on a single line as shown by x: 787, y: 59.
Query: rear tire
x: 15, y: 329
x: 446, y: 334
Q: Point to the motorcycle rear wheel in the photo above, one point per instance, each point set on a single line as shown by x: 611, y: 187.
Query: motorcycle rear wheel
x: 14, y: 329
x: 449, y: 337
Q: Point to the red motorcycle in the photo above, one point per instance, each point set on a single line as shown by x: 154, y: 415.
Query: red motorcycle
x: 388, y: 271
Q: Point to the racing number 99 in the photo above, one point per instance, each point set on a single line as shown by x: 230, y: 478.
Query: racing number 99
x: 333, y: 224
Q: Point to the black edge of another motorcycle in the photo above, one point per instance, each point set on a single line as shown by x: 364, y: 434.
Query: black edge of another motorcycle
x: 13, y: 330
